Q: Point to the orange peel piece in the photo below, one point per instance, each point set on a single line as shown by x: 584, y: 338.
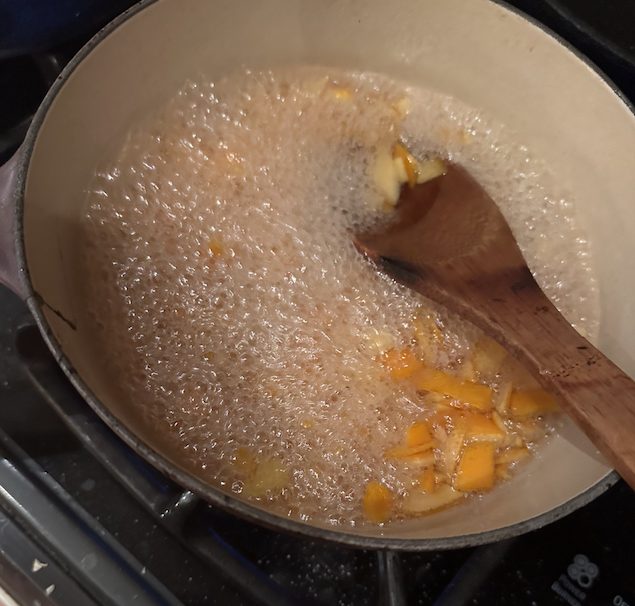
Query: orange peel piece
x: 409, y: 162
x: 428, y: 481
x: 453, y: 447
x: 532, y: 402
x: 488, y: 357
x: 421, y: 459
x: 476, y: 468
x: 245, y: 462
x: 511, y: 455
x: 482, y: 428
x: 503, y: 471
x: 268, y: 479
x: 408, y: 451
x: 467, y: 371
x: 418, y: 434
x: 428, y: 336
x: 419, y: 502
x: 430, y: 169
x: 467, y: 392
x: 503, y: 397
x: 378, y: 503
x: 401, y: 364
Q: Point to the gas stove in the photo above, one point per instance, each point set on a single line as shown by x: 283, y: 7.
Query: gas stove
x: 85, y: 521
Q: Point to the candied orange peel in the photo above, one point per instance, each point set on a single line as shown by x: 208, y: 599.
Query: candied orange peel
x: 261, y: 478
x: 479, y: 427
x: 378, y: 503
x: 401, y: 364
x: 476, y: 468
x: 409, y: 162
x: 532, y: 402
x: 417, y: 434
x: 408, y: 451
x: 423, y: 503
x: 428, y: 480
x: 482, y: 417
x: 469, y: 393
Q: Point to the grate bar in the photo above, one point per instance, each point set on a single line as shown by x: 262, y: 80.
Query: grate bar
x: 70, y: 537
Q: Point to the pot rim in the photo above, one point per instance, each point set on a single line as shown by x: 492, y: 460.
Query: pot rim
x: 213, y: 495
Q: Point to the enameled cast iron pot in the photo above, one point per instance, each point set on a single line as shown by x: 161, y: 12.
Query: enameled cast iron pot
x: 479, y: 51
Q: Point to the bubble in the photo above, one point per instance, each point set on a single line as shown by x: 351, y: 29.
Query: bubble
x: 227, y: 297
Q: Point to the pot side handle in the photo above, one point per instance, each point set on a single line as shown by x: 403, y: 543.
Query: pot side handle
x: 9, y: 266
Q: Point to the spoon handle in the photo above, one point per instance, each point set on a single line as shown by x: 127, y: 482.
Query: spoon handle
x: 512, y: 309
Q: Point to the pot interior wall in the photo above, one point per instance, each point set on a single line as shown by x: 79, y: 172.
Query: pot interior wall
x: 476, y: 50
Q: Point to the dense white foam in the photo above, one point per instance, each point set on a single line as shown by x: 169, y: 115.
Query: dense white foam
x: 272, y: 344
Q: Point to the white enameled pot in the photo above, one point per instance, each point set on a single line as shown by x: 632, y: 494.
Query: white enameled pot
x: 479, y: 51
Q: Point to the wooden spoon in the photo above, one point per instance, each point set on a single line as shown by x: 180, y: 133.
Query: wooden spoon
x: 451, y: 243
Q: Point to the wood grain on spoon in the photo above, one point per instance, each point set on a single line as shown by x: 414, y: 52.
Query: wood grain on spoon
x: 451, y: 243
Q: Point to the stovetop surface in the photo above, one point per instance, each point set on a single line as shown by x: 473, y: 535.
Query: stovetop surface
x: 88, y: 522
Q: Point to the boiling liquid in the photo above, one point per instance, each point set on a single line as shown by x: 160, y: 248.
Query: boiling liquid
x: 232, y: 306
